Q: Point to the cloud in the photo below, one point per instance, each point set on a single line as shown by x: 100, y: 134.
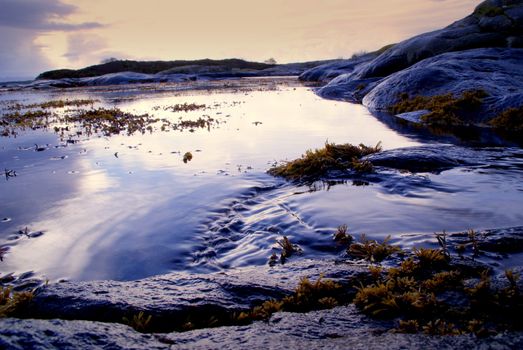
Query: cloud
x: 87, y: 48
x: 40, y: 15
x: 22, y: 23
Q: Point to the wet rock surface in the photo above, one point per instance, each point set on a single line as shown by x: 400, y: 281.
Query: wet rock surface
x: 177, y: 296
x: 338, y: 328
x: 496, y: 71
x: 480, y: 52
x: 441, y: 157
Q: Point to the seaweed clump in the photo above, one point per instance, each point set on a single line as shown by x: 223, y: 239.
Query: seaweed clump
x: 13, y: 303
x: 112, y: 121
x: 321, y: 294
x: 426, y: 293
x: 444, y: 110
x: 315, y: 164
x: 510, y: 120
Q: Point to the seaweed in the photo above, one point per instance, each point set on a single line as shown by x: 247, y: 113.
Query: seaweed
x: 315, y: 164
x: 444, y: 110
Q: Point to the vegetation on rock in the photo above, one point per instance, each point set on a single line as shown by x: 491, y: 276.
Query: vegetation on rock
x: 510, y: 120
x: 444, y: 110
x: 317, y: 163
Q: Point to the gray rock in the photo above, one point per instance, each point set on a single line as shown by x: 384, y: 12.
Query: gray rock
x: 499, y: 72
x: 328, y: 71
x: 339, y: 328
x: 420, y: 159
x: 172, y: 298
x: 59, y: 334
x: 478, y: 30
x: 477, y: 52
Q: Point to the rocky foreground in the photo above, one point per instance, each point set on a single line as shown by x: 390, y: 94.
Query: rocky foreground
x: 195, y: 310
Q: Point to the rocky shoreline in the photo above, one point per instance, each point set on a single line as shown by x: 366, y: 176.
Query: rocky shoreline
x: 481, y: 52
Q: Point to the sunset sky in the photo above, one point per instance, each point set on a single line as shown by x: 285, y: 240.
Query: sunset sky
x: 37, y: 35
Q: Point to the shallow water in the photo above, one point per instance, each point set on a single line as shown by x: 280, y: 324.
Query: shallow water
x: 128, y: 207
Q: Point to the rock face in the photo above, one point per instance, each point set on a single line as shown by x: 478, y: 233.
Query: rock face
x: 481, y: 51
x: 499, y: 72
x: 339, y: 328
x: 328, y: 71
x: 176, y: 297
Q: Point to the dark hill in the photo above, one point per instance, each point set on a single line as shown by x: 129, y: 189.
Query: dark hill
x: 149, y: 67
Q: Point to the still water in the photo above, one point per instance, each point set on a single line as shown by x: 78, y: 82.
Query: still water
x: 127, y: 207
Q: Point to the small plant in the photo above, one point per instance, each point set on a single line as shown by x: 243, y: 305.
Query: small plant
x: 139, y: 322
x: 442, y: 241
x: 187, y: 157
x: 321, y: 294
x: 287, y: 249
x: 474, y: 241
x: 510, y: 120
x: 431, y: 259
x: 12, y: 303
x: 408, y: 326
x: 371, y: 250
x: 342, y: 237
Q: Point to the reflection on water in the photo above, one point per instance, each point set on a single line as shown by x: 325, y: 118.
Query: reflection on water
x: 128, y: 207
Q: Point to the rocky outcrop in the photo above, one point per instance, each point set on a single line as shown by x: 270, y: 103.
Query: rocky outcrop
x: 498, y: 72
x: 339, y: 328
x: 480, y: 52
x: 172, y: 299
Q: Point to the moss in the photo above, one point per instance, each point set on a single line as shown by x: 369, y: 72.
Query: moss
x: 111, y: 121
x: 342, y: 237
x: 510, y: 120
x: 140, y: 322
x: 444, y: 110
x: 184, y: 107
x: 372, y: 250
x: 321, y: 294
x: 417, y: 293
x: 488, y: 10
x: 13, y: 303
x: 317, y: 163
x: 288, y: 249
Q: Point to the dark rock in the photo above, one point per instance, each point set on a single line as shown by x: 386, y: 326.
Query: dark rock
x: 328, y: 71
x: 499, y: 72
x: 173, y: 298
x: 420, y: 159
x: 478, y: 30
x: 338, y: 328
x: 59, y: 334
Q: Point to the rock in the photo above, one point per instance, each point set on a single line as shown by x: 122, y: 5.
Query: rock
x: 59, y: 334
x: 499, y: 72
x: 420, y: 159
x: 328, y: 71
x: 171, y: 299
x: 338, y: 328
x: 479, y: 30
x: 480, y: 52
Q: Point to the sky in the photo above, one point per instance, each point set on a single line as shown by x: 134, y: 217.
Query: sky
x: 38, y: 35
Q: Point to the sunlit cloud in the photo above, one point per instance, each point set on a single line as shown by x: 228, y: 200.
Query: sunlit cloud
x: 72, y: 34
